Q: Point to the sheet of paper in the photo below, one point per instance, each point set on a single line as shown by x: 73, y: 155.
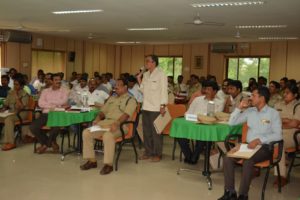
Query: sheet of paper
x: 98, y: 128
x: 244, y: 148
x: 5, y: 114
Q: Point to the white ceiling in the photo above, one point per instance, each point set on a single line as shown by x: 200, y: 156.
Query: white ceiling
x: 110, y: 25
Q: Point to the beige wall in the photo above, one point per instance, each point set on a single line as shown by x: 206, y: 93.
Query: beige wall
x: 117, y: 59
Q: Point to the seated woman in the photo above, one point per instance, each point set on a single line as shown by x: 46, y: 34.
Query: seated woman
x: 274, y: 88
x: 16, y: 100
x: 289, y: 110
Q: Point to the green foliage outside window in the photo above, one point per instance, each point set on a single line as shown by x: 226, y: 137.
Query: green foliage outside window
x: 172, y: 66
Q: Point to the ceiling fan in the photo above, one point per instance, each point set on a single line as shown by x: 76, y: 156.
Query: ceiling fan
x: 199, y: 22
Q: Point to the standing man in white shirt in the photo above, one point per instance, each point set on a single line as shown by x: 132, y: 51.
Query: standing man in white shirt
x: 155, y: 90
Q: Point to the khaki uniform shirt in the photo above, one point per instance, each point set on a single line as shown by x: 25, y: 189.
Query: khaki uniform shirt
x: 116, y: 106
x: 287, y: 111
x: 274, y: 100
x: 10, y: 100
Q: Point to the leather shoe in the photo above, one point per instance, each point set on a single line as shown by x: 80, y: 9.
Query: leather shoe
x: 8, y: 147
x: 229, y: 195
x: 28, y: 139
x: 155, y: 158
x: 283, y: 181
x: 144, y: 157
x: 88, y: 165
x: 242, y: 197
x: 42, y: 149
x: 106, y: 169
x: 55, y: 146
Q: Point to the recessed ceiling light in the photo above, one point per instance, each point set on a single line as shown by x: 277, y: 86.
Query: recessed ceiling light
x: 147, y: 29
x: 64, y: 12
x: 227, y: 4
x: 278, y: 38
x: 259, y: 26
x: 128, y: 42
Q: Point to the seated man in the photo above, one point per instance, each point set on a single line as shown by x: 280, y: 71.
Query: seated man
x: 77, y: 91
x: 95, y: 97
x: 199, y: 106
x: 235, y: 91
x: 116, y: 110
x: 53, y: 97
x: 264, y: 127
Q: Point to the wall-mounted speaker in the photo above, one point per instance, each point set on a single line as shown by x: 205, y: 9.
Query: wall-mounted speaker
x: 71, y: 56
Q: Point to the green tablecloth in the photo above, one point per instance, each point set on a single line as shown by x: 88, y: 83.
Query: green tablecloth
x: 214, y: 132
x: 56, y: 118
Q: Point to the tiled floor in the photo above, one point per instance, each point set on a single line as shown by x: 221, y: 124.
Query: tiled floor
x: 28, y: 176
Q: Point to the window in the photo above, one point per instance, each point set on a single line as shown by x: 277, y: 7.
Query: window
x: 244, y: 68
x: 172, y: 66
x: 49, y: 61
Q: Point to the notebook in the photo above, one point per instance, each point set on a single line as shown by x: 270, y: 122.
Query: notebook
x: 162, y: 121
x: 244, y: 152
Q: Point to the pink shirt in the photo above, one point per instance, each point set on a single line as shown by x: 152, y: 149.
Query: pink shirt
x: 53, y: 98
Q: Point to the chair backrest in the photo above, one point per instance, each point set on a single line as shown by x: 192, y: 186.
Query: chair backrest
x: 175, y: 110
x: 31, y: 106
x: 244, y: 132
x: 135, y: 118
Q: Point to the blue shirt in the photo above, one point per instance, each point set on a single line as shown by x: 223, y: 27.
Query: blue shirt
x: 264, y: 125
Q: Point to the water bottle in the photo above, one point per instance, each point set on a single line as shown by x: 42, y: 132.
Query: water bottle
x: 85, y: 100
x: 211, y: 109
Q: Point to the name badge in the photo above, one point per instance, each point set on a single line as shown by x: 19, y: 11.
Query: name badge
x: 265, y: 121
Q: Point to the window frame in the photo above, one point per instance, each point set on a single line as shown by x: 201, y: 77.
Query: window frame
x: 173, y: 69
x: 238, y: 61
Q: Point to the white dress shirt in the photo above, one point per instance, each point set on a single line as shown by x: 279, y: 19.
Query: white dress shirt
x: 97, y: 96
x: 154, y: 87
x: 199, y: 105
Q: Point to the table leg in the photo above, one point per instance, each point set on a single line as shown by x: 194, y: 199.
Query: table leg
x: 78, y: 147
x: 206, y: 171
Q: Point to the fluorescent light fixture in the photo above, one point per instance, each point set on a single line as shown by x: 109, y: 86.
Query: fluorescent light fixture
x: 278, y: 38
x: 128, y: 42
x: 147, y: 29
x: 259, y: 26
x: 64, y: 12
x: 227, y: 4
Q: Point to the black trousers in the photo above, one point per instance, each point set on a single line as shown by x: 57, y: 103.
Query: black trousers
x: 153, y: 142
x: 186, y: 149
x: 247, y: 172
x: 42, y: 136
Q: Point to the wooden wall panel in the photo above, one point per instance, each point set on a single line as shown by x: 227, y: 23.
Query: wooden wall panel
x: 88, y: 58
x: 125, y: 59
x: 48, y: 43
x: 175, y: 50
x: 79, y: 56
x: 117, y: 61
x: 293, y: 60
x: 260, y: 48
x: 149, y: 49
x: 278, y: 60
x: 96, y: 58
x: 161, y: 50
x: 137, y: 58
x: 25, y: 59
x: 70, y: 45
x: 12, y: 55
x: 103, y: 58
x: 60, y: 44
x: 199, y: 50
x: 110, y: 57
x: 217, y: 61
